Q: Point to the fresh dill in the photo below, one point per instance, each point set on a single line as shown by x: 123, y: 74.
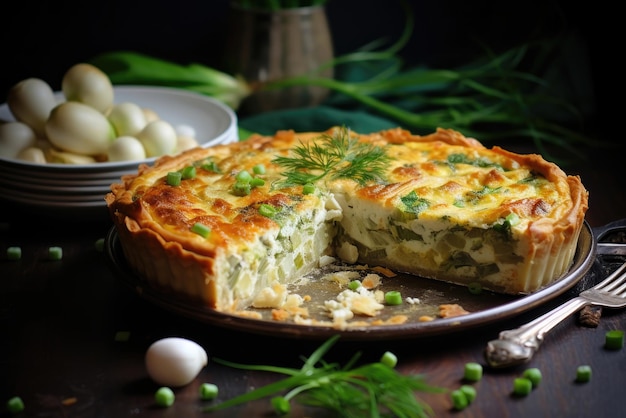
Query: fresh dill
x: 371, y: 390
x: 335, y: 156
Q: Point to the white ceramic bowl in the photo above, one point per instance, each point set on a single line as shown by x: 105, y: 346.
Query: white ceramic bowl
x: 75, y: 187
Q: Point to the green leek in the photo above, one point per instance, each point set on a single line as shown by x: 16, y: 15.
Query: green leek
x: 127, y: 67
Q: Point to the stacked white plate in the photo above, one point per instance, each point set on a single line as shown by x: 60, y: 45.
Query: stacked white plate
x: 79, y: 190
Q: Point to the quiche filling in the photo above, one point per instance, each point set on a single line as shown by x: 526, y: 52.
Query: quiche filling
x: 268, y: 209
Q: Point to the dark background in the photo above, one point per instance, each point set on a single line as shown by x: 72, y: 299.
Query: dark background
x: 44, y: 38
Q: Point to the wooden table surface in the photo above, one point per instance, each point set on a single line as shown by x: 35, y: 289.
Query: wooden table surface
x: 58, y: 321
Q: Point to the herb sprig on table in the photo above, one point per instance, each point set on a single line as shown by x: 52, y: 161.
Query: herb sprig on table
x: 370, y: 390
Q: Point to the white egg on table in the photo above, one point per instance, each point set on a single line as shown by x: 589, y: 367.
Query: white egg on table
x: 175, y: 361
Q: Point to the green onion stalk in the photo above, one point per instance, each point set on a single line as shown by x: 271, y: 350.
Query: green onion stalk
x: 491, y: 99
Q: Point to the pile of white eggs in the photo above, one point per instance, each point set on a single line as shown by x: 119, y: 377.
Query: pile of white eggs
x: 87, y: 126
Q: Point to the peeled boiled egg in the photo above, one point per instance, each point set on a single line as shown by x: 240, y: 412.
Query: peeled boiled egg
x: 78, y: 128
x: 158, y: 138
x: 126, y: 148
x: 32, y: 155
x: 31, y: 101
x: 184, y: 143
x: 86, y: 83
x: 127, y: 118
x: 15, y: 137
x: 175, y: 361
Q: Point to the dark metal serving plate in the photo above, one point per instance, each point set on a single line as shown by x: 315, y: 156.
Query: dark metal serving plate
x: 485, y: 308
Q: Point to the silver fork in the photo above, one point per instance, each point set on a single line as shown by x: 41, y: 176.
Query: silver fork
x: 518, y: 345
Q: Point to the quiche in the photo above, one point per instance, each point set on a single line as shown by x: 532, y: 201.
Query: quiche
x: 222, y: 224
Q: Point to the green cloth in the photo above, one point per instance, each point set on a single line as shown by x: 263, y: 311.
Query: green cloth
x: 314, y: 119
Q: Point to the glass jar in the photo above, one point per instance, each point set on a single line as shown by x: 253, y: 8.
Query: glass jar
x: 264, y: 46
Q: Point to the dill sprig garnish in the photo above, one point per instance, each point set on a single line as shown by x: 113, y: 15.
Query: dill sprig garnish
x: 334, y: 156
x: 371, y: 390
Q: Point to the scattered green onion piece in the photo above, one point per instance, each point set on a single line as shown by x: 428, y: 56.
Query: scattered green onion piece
x: 55, y: 253
x: 257, y: 182
x: 241, y: 188
x: 459, y: 399
x: 208, y: 391
x: 174, y: 178
x: 389, y: 359
x: 614, y: 340
x: 308, y: 188
x: 99, y: 245
x: 281, y: 405
x: 475, y: 288
x: 534, y: 375
x: 583, y: 374
x: 14, y: 253
x: 122, y: 336
x: 469, y: 391
x: 354, y: 285
x: 164, y: 396
x: 512, y: 219
x: 201, y: 229
x: 189, y: 172
x: 243, y: 176
x: 522, y: 386
x: 393, y: 297
x: 267, y: 210
x: 211, y: 166
x: 473, y: 372
x: 258, y: 169
x: 15, y: 405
